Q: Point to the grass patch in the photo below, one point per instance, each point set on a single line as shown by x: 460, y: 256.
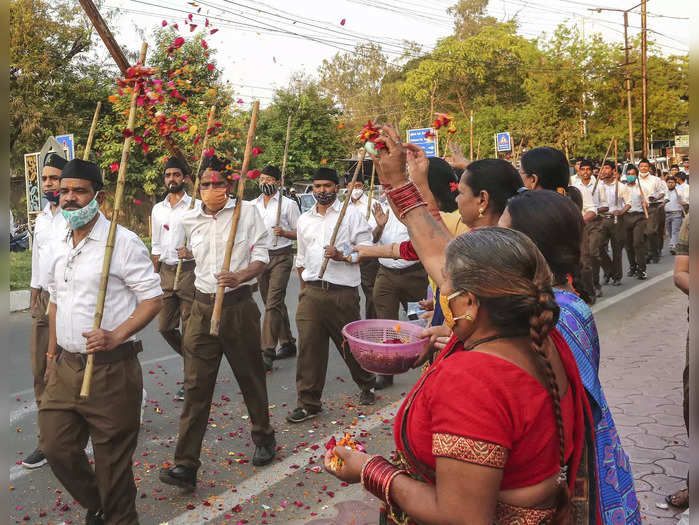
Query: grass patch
x: 20, y: 270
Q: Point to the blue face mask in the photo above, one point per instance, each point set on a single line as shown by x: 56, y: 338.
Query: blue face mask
x: 631, y: 179
x: 78, y: 218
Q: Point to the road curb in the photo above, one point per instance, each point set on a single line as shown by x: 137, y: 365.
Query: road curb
x: 19, y: 300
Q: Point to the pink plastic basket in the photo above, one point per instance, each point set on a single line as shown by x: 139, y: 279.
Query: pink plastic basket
x: 365, y: 339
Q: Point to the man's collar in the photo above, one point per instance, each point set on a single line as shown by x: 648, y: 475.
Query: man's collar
x: 335, y: 206
x: 100, y: 230
x: 185, y: 198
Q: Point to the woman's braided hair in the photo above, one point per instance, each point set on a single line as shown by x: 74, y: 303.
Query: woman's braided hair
x: 509, y: 276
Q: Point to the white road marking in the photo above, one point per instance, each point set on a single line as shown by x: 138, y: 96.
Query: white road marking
x: 631, y: 291
x: 273, y: 474
x: 18, y: 471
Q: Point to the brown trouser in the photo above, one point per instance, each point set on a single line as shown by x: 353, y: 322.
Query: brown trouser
x: 635, y: 224
x: 39, y: 343
x: 239, y: 341
x: 394, y: 287
x: 590, y: 259
x: 273, y: 283
x: 368, y: 269
x: 656, y: 213
x: 613, y: 233
x: 176, y: 303
x: 110, y: 417
x: 320, y: 316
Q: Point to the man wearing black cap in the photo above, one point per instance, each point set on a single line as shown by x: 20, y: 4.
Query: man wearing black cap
x: 165, y: 216
x: 274, y: 280
x: 327, y: 305
x: 110, y: 416
x: 207, y: 228
x: 49, y: 226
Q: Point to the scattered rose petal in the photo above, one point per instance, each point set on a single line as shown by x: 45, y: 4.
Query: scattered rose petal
x: 213, y: 31
x: 192, y: 27
x: 163, y: 23
x: 342, y: 22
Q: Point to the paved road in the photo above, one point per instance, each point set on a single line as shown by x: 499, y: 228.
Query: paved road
x: 642, y: 326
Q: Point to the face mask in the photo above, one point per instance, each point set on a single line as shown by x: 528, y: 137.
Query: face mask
x: 631, y: 179
x: 323, y: 198
x: 175, y: 188
x: 268, y: 189
x: 214, y: 199
x: 53, y: 197
x: 449, y: 318
x: 356, y: 194
x: 78, y: 218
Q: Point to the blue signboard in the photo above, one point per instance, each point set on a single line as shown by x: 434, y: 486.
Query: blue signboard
x: 67, y: 141
x: 504, y: 142
x: 428, y: 143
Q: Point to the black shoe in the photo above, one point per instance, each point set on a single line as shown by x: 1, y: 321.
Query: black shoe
x: 367, y: 397
x: 34, y: 460
x: 264, y: 454
x: 673, y: 250
x: 641, y: 276
x: 286, y: 350
x: 616, y: 282
x: 632, y: 271
x: 268, y: 363
x: 179, y: 476
x: 656, y: 259
x: 94, y: 518
x: 179, y: 396
x: 607, y: 279
x: 300, y: 414
x: 383, y: 382
x: 598, y: 291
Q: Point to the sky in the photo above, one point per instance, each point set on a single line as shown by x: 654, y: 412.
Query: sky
x: 261, y: 44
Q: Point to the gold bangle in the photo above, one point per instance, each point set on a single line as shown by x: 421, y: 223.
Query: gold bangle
x: 50, y: 355
x: 387, y: 498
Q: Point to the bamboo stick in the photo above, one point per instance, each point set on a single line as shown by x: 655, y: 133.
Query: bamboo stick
x: 643, y: 198
x: 220, y: 290
x: 91, y: 136
x: 594, y: 188
x: 478, y: 149
x: 360, y: 163
x: 118, y: 197
x: 371, y: 191
x: 281, y: 186
x: 205, y: 142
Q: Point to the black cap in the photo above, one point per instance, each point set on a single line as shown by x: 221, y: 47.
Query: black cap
x: 213, y: 163
x: 83, y: 169
x: 326, y: 174
x: 176, y: 163
x: 272, y: 171
x: 55, y: 161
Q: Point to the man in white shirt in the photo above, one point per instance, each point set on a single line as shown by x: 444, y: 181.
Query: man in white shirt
x: 683, y: 188
x: 635, y: 225
x: 674, y: 202
x: 611, y: 197
x: 327, y: 305
x: 274, y: 280
x: 207, y: 228
x: 654, y: 191
x: 166, y: 214
x: 49, y: 226
x: 110, y: 416
x: 592, y: 238
x: 368, y: 268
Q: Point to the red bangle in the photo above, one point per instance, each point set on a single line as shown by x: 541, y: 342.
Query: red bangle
x: 376, y: 477
x: 406, y: 198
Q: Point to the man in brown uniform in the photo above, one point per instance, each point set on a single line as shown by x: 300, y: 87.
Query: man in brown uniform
x: 206, y: 229
x: 110, y: 416
x: 165, y: 217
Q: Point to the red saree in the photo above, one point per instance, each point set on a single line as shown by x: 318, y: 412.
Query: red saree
x: 483, y: 409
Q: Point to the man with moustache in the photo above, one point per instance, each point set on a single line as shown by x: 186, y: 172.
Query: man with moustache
x: 591, y: 232
x: 166, y: 215
x: 110, y: 416
x: 49, y: 226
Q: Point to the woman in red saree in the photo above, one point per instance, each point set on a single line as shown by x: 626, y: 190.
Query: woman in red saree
x: 494, y: 431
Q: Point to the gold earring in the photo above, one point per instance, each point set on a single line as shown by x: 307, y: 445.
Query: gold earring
x: 468, y: 317
x: 481, y: 214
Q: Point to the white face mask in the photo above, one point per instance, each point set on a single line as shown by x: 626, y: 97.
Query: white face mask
x: 357, y: 193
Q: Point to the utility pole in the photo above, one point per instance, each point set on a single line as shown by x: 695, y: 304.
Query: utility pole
x: 644, y: 77
x: 627, y: 72
x: 471, y: 136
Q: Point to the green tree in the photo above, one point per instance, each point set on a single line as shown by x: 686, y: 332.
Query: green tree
x: 469, y: 17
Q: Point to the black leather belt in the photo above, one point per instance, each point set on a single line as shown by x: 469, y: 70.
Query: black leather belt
x: 186, y: 265
x: 228, y: 298
x: 121, y: 352
x: 325, y: 285
x: 400, y: 271
x: 282, y: 251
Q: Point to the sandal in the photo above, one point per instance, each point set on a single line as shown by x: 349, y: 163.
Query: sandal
x: 679, y: 499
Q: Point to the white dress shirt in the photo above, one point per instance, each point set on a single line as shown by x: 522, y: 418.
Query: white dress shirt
x: 589, y: 200
x: 74, y: 279
x: 47, y: 228
x: 361, y: 205
x: 613, y: 196
x: 207, y: 236
x: 287, y: 220
x: 675, y: 200
x: 651, y: 185
x: 683, y: 190
x: 164, y: 219
x: 313, y: 234
x: 634, y: 197
x: 394, y: 232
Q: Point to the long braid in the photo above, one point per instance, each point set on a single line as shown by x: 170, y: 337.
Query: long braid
x: 540, y: 325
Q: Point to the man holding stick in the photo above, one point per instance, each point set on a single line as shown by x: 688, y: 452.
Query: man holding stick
x: 326, y: 306
x: 110, y: 416
x: 275, y: 278
x: 49, y: 225
x: 165, y: 216
x: 654, y: 190
x: 635, y: 225
x: 592, y: 238
x: 206, y: 229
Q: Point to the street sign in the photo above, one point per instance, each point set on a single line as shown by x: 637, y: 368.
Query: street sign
x: 681, y: 141
x: 68, y: 143
x: 32, y: 180
x: 429, y: 143
x: 504, y: 141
